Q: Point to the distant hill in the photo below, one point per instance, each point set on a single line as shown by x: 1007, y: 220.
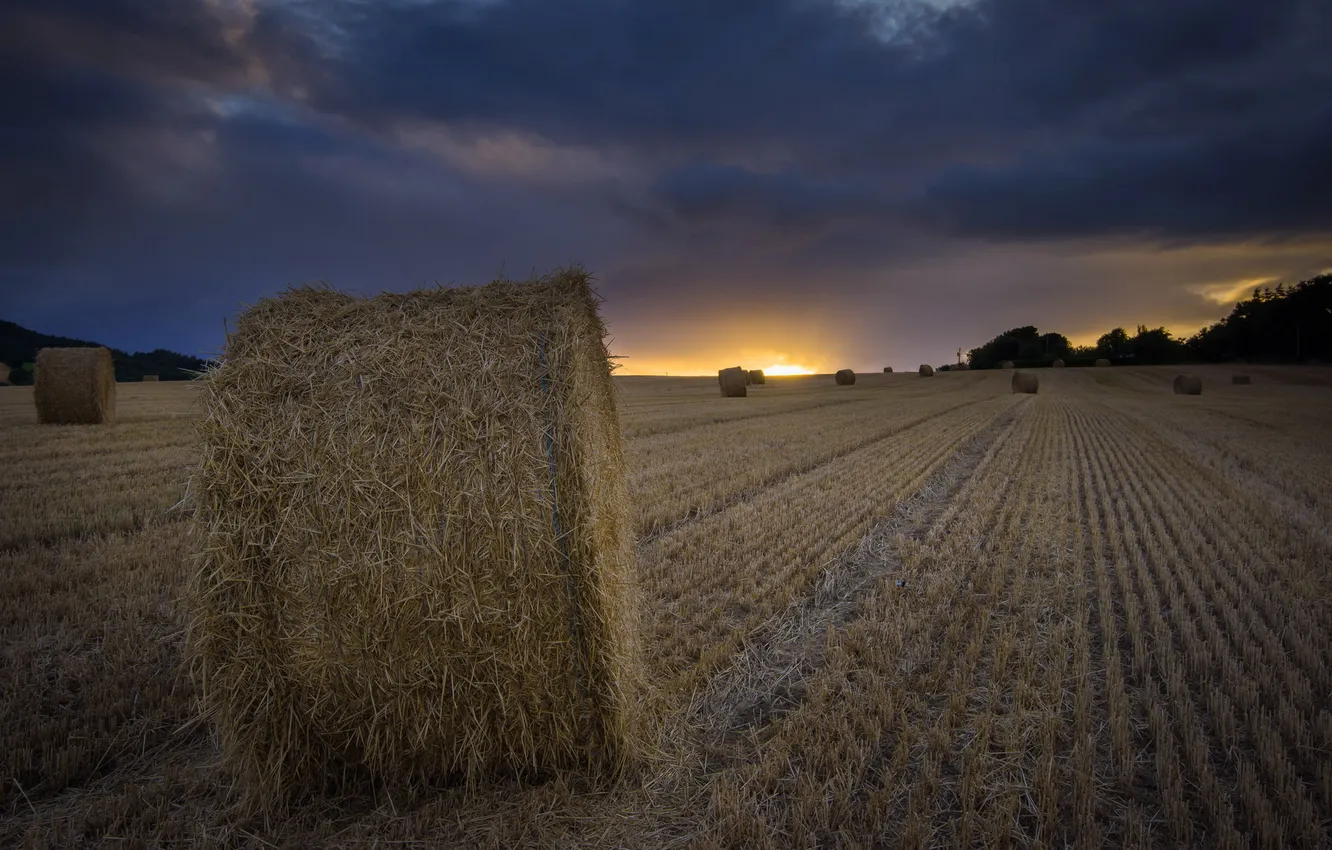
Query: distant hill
x: 19, y: 346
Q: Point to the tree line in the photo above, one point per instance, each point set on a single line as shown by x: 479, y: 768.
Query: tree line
x: 19, y: 347
x: 1275, y: 325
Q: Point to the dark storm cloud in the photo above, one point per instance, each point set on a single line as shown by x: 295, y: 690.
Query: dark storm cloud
x: 178, y: 40
x: 210, y: 150
x: 708, y: 192
x: 1265, y: 180
x: 1003, y: 84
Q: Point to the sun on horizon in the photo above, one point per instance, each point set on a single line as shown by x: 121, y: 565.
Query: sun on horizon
x: 779, y: 369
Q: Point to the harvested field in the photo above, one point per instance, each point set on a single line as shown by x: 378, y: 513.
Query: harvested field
x: 915, y: 613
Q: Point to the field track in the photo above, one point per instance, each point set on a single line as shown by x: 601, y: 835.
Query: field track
x: 911, y: 612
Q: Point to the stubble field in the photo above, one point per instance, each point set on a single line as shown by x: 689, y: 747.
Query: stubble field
x: 913, y: 612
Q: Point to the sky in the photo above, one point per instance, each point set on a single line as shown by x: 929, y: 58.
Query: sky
x: 817, y: 183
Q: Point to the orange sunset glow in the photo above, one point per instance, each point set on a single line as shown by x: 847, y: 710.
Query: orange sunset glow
x: 686, y: 368
x: 787, y: 369
x: 707, y: 363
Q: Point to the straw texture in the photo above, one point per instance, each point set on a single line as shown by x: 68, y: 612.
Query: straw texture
x: 926, y: 370
x: 1101, y: 361
x: 75, y: 386
x: 418, y: 558
x: 1058, y: 364
x: 887, y: 370
x: 1241, y: 379
x: 149, y: 379
x: 845, y: 377
x: 756, y: 376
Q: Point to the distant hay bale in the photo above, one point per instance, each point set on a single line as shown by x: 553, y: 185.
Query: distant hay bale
x: 149, y: 379
x: 1101, y: 361
x: 845, y: 377
x: 1025, y: 382
x: 1188, y: 385
x: 926, y: 370
x: 748, y: 380
x: 1058, y: 364
x: 756, y: 376
x: 418, y: 558
x: 4, y: 373
x: 887, y: 370
x: 732, y: 382
x: 1007, y: 364
x: 1241, y: 379
x: 75, y: 386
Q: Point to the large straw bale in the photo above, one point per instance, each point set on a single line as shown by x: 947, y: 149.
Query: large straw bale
x: 756, y: 376
x: 1025, y: 382
x: 75, y: 386
x: 149, y: 379
x: 748, y: 380
x: 1241, y: 379
x: 418, y: 554
x: 1058, y: 364
x: 845, y: 377
x: 732, y: 382
x: 4, y: 373
x: 1101, y: 361
x: 926, y: 370
x: 1188, y: 385
x: 1007, y: 364
x: 887, y: 370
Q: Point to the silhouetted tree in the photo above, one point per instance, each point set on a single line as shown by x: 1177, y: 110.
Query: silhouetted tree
x: 1113, y: 344
x: 1156, y: 345
x: 1285, y: 324
x: 1055, y: 346
x: 1009, y: 345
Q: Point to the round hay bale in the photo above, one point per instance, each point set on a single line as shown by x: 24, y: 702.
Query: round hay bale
x: 844, y: 377
x: 748, y: 380
x: 926, y: 370
x: 732, y: 382
x: 756, y: 376
x: 1188, y: 385
x: 418, y: 559
x: 1025, y: 382
x: 1241, y: 379
x: 887, y: 370
x: 1007, y: 364
x: 75, y: 386
x: 1101, y: 361
x: 149, y: 379
x: 4, y: 374
x: 1058, y: 364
